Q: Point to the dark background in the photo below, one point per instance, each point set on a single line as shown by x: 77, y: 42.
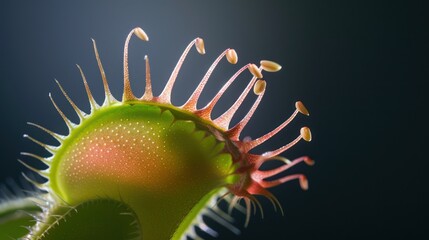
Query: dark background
x: 359, y: 66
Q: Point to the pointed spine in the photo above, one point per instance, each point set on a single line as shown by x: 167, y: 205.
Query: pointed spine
x: 49, y: 148
x: 69, y: 123
x: 58, y: 137
x: 79, y: 112
x: 35, y: 183
x: 107, y: 94
x: 44, y: 160
x: 38, y: 171
x: 148, y: 93
x: 93, y: 104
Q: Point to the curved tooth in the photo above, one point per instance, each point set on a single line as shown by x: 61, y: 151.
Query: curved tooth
x: 234, y: 132
x: 191, y: 104
x: 206, y: 111
x: 128, y: 92
x: 224, y: 120
x: 165, y: 96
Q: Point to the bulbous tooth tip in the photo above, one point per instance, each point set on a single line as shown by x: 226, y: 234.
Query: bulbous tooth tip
x: 301, y: 108
x: 141, y: 34
x: 255, y: 71
x: 309, y: 161
x: 270, y: 66
x: 303, y: 182
x: 199, y: 45
x: 306, y: 134
x: 231, y: 56
x: 259, y: 87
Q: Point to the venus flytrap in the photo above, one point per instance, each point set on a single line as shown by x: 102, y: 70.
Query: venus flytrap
x: 143, y: 168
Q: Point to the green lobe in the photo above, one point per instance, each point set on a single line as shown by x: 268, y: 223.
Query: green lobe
x: 98, y: 219
x: 14, y: 217
x: 159, y: 161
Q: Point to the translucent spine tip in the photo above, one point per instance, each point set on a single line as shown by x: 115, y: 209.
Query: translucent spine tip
x: 148, y: 93
x: 49, y: 148
x: 165, y: 96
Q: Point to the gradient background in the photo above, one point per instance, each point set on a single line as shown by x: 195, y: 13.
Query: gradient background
x: 359, y: 66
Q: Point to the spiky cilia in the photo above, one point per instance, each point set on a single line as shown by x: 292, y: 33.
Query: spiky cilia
x: 163, y: 166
